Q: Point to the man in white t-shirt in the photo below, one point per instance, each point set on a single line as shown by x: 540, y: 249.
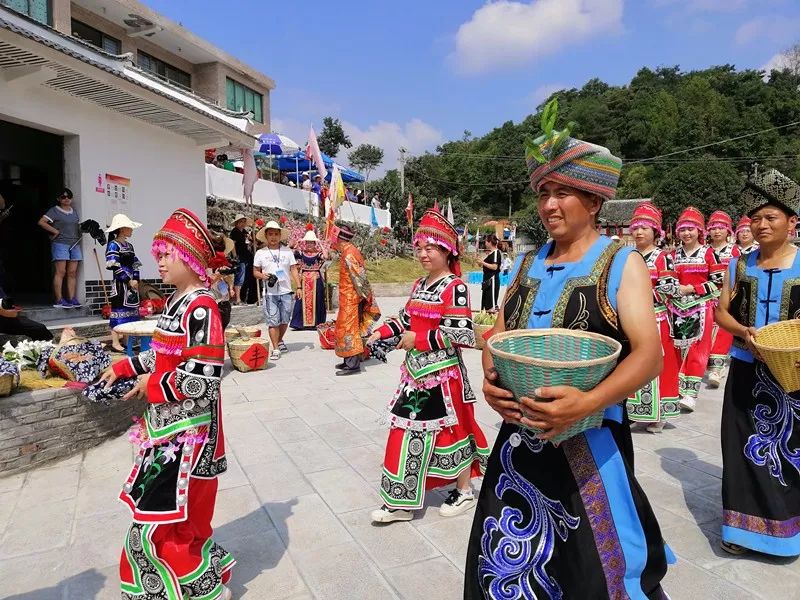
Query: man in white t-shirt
x: 276, y: 265
x: 306, y: 185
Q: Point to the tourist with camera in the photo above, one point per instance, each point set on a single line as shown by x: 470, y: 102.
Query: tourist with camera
x: 276, y: 265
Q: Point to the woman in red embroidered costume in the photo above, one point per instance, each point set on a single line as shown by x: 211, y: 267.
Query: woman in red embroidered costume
x: 434, y: 438
x: 720, y: 229
x: 658, y: 400
x: 691, y: 308
x: 309, y: 308
x: 172, y: 487
x: 744, y: 236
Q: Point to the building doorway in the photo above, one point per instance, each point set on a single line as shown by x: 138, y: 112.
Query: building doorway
x: 31, y: 176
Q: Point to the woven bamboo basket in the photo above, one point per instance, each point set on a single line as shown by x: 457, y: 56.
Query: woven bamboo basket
x: 526, y: 359
x: 248, y: 353
x: 779, y: 346
x: 232, y: 333
x: 8, y: 383
x: 479, y: 330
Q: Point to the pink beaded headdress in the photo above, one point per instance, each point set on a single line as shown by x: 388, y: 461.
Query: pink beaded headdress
x: 186, y: 236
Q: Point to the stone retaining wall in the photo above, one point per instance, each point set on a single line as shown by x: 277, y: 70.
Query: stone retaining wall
x: 44, y: 425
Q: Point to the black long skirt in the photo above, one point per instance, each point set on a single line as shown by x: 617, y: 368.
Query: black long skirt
x: 564, y: 522
x: 760, y: 462
x: 490, y: 292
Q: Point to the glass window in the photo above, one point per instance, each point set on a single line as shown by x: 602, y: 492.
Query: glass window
x: 38, y: 10
x: 96, y: 37
x: 164, y: 70
x: 241, y: 98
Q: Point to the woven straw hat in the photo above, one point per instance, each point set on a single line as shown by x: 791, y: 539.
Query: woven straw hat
x: 120, y: 221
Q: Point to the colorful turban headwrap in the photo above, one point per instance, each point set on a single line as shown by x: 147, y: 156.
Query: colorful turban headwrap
x: 769, y: 187
x: 555, y: 156
x: 579, y: 165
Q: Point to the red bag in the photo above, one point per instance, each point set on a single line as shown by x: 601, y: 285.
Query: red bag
x: 327, y: 335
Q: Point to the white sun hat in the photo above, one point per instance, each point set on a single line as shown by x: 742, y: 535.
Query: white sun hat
x: 121, y: 220
x: 310, y: 236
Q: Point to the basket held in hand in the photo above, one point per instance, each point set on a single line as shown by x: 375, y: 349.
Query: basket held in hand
x: 527, y: 359
x: 779, y: 346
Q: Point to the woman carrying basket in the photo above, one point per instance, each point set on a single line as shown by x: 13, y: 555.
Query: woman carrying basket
x: 570, y: 520
x: 433, y: 436
x: 760, y: 421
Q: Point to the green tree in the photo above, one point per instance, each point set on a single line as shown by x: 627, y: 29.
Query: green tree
x: 332, y: 137
x: 708, y: 186
x: 367, y: 158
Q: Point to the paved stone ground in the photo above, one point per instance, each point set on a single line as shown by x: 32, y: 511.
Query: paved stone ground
x: 304, y: 451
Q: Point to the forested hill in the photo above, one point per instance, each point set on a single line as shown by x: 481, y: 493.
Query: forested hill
x: 660, y: 112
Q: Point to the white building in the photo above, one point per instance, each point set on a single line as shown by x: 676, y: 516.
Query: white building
x: 73, y: 115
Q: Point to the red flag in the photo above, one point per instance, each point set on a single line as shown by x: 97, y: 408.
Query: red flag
x: 314, y: 154
x: 410, y: 211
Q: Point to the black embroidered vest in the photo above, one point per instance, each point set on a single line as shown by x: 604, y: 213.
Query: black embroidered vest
x: 583, y: 303
x: 745, y: 298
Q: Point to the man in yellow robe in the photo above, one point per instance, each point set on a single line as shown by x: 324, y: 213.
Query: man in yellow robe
x: 357, y: 309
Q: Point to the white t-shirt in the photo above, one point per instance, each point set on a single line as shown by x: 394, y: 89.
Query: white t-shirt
x: 278, y: 262
x: 307, y: 185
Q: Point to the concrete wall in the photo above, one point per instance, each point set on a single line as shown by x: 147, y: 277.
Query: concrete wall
x: 166, y: 170
x: 228, y: 185
x: 46, y: 425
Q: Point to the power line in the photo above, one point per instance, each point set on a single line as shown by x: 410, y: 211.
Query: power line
x: 635, y: 160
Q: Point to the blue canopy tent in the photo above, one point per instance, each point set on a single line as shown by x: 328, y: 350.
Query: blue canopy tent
x: 298, y: 163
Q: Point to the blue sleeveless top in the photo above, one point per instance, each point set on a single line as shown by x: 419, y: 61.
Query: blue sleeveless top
x: 770, y: 284
x: 554, y: 277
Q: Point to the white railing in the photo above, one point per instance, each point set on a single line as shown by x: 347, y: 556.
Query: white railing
x: 228, y: 184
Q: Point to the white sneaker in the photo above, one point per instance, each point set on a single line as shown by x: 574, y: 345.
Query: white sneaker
x: 275, y: 355
x: 714, y: 379
x: 656, y: 427
x: 388, y: 515
x: 688, y: 403
x: 457, y: 502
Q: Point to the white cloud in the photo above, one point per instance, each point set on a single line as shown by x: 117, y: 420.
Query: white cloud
x: 416, y: 136
x: 773, y: 28
x: 700, y: 6
x: 542, y: 93
x: 504, y: 33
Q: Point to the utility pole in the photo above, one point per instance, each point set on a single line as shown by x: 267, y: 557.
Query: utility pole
x: 509, y: 205
x: 402, y: 172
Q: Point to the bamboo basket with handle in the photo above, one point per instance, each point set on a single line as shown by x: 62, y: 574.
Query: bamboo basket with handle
x: 779, y: 347
x: 248, y: 353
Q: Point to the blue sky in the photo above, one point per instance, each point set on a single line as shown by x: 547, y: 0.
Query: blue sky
x: 414, y: 73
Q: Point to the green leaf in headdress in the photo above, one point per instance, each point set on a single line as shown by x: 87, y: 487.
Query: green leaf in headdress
x: 550, y: 136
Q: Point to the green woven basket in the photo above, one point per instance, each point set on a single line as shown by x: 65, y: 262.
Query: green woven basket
x: 526, y: 359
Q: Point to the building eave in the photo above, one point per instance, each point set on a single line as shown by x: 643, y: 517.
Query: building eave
x: 79, y: 69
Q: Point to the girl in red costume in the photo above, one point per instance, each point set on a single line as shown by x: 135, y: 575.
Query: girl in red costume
x: 658, y: 400
x: 172, y: 488
x: 691, y: 308
x: 434, y: 438
x: 720, y: 228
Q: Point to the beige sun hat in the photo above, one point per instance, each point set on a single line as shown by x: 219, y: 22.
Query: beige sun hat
x: 261, y: 236
x: 120, y: 221
x: 239, y: 217
x: 310, y: 236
